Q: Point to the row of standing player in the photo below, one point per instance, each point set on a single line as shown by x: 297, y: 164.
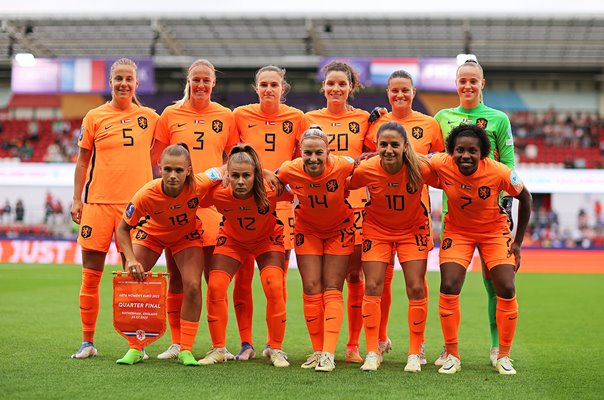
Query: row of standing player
x: 122, y: 125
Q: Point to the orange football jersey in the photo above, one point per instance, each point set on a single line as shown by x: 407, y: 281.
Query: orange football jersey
x: 322, y: 209
x: 474, y: 200
x: 166, y: 217
x: 243, y: 220
x: 273, y: 136
x: 394, y: 207
x: 423, y: 131
x: 208, y: 133
x: 120, y: 142
x: 347, y: 133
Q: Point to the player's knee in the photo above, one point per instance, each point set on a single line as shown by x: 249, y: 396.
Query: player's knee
x: 312, y: 287
x: 353, y: 277
x: 416, y: 291
x: 507, y: 290
x: 450, y: 287
x: 373, y: 288
x: 192, y: 290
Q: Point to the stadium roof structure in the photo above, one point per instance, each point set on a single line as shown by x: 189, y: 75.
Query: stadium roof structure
x: 290, y: 41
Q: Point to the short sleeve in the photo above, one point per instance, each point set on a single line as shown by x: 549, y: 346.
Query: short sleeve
x: 511, y: 181
x: 86, y: 138
x: 135, y: 210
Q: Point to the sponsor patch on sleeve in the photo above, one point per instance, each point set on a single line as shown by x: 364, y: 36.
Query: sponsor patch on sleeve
x: 349, y: 159
x: 81, y: 135
x: 130, y: 210
x: 515, y: 180
x: 214, y: 174
x: 510, y: 139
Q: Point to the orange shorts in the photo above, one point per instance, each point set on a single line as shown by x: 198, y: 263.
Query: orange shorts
x: 210, y: 220
x: 99, y: 225
x: 413, y: 247
x: 227, y: 246
x: 359, y: 217
x: 493, y: 248
x: 181, y: 241
x: 286, y: 215
x: 340, y: 244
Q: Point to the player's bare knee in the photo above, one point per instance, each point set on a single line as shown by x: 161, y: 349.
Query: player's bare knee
x: 192, y: 290
x: 373, y: 288
x: 450, y: 287
x: 416, y: 292
x: 507, y: 290
x: 313, y: 287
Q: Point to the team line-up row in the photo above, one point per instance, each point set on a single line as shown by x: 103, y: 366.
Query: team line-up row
x: 351, y: 218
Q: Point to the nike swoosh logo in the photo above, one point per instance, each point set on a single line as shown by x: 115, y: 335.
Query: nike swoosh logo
x: 181, y: 125
x: 355, y: 306
x: 299, y: 187
x: 251, y: 126
x: 445, y: 315
x: 226, y: 210
x: 366, y: 316
x: 108, y: 126
x: 212, y: 320
x: 327, y: 319
x: 506, y: 368
x: 238, y: 304
x: 512, y: 318
x: 157, y: 212
x: 417, y: 323
x: 283, y: 321
x: 311, y: 320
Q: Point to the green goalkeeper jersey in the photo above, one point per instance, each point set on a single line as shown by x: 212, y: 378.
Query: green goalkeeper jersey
x: 496, y: 123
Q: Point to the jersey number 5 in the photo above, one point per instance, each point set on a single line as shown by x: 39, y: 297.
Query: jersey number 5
x: 130, y: 139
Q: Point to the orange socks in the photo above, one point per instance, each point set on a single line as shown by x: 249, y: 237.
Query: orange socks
x: 385, y: 304
x: 426, y: 294
x: 188, y: 333
x: 242, y: 299
x: 272, y: 283
x: 355, y: 320
x: 285, y: 269
x: 507, y: 316
x: 418, y: 310
x: 450, y: 315
x: 371, y: 321
x: 89, y: 302
x: 334, y: 315
x: 217, y: 304
x: 173, y: 306
x: 313, y: 314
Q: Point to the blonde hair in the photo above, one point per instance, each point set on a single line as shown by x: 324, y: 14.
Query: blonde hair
x: 127, y: 62
x: 314, y: 133
x: 187, y: 90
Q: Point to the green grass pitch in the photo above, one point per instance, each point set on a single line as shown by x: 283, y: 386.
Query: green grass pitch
x: 557, y: 349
